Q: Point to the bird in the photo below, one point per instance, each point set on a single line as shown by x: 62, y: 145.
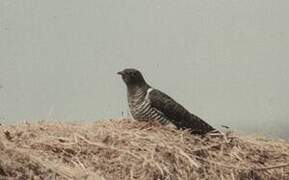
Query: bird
x: 150, y: 104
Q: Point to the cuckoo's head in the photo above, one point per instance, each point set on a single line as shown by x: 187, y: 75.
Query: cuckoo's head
x: 132, y: 77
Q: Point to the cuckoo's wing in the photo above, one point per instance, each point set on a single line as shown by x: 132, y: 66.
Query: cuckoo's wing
x: 177, y: 114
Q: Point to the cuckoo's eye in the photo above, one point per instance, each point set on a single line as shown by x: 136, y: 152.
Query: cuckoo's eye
x: 131, y: 74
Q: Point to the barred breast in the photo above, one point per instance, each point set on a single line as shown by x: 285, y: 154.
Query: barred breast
x: 141, y: 108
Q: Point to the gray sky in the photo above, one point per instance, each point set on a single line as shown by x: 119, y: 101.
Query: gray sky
x: 226, y: 60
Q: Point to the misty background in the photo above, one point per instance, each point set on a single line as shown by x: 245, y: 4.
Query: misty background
x: 226, y: 61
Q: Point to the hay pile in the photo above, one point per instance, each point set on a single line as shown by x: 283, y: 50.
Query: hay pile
x: 124, y: 149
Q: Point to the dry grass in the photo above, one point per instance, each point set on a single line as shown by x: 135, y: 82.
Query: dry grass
x: 124, y: 149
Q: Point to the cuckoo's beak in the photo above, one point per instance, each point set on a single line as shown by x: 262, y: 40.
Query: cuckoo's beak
x: 120, y: 73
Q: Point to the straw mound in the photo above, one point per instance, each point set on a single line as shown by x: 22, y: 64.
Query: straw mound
x: 125, y: 149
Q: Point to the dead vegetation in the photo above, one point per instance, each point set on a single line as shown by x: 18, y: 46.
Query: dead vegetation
x: 124, y: 149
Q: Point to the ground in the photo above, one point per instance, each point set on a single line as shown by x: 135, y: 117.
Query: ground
x: 126, y: 149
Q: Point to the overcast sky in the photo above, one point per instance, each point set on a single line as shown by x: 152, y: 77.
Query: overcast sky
x: 224, y: 60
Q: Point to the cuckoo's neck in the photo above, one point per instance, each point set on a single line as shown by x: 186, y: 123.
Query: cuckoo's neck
x: 137, y: 90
